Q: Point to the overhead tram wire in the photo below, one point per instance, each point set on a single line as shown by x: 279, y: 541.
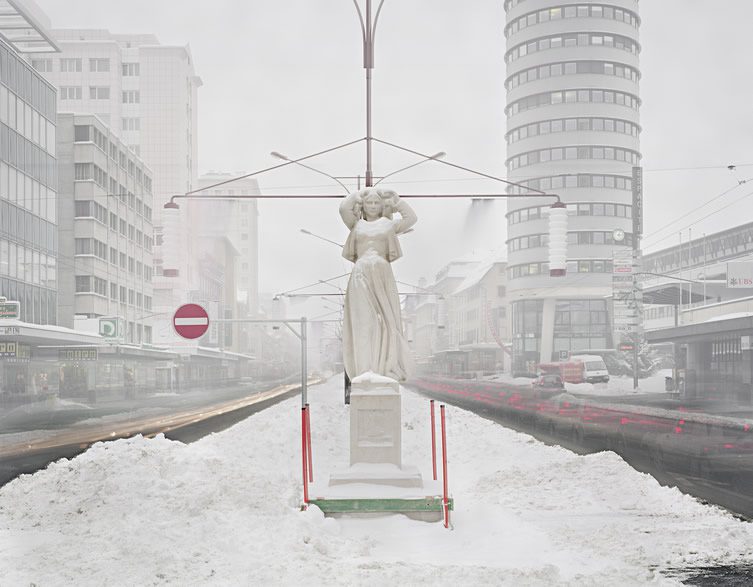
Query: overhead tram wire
x: 287, y: 162
x: 715, y: 198
x: 708, y: 215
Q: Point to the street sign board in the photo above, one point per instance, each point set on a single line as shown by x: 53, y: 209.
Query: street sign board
x: 627, y: 328
x: 111, y: 327
x: 190, y: 321
x: 9, y: 310
x: 637, y: 202
x: 740, y: 274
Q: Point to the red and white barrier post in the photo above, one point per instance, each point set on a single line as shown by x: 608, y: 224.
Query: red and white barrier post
x: 445, y: 496
x: 304, y: 458
x: 433, y: 442
x: 308, y: 443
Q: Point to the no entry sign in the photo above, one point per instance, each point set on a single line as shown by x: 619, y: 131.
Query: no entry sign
x: 191, y: 321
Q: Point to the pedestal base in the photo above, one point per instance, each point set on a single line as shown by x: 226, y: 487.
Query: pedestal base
x: 377, y: 474
x: 375, y: 423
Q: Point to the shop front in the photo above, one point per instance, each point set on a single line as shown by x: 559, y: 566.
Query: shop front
x: 713, y: 359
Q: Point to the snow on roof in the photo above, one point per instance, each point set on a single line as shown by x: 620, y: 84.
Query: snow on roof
x: 479, y: 272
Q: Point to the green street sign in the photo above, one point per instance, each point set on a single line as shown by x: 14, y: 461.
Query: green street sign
x: 10, y: 310
x: 110, y: 327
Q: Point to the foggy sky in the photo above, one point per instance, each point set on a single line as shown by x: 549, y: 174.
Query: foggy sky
x: 286, y: 75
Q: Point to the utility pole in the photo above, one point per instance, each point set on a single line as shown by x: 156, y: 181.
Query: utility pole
x: 637, y: 233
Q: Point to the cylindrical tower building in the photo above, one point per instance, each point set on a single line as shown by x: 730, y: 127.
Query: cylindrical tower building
x: 572, y: 129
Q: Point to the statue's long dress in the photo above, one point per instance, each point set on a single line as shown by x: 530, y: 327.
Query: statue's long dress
x: 373, y: 338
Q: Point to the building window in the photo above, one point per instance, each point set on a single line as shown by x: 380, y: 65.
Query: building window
x: 131, y: 123
x: 131, y: 97
x: 81, y: 133
x: 99, y: 92
x: 130, y: 69
x: 569, y: 153
x: 43, y: 65
x: 83, y: 171
x: 70, y: 64
x: 70, y: 93
x: 99, y: 64
x: 571, y: 96
x: 83, y: 283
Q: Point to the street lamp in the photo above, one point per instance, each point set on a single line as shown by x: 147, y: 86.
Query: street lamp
x: 433, y: 157
x: 277, y: 155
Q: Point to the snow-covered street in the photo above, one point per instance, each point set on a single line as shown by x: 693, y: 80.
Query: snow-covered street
x: 225, y: 511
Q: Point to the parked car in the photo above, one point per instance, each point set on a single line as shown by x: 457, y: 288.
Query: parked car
x: 594, y: 369
x: 548, y: 383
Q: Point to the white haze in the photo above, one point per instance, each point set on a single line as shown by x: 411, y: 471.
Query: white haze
x: 287, y: 76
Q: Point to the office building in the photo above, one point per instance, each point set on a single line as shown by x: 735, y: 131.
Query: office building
x: 28, y: 171
x: 147, y: 94
x: 572, y: 129
x: 105, y: 238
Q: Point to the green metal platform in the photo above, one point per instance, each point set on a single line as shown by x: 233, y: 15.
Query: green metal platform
x: 426, y: 508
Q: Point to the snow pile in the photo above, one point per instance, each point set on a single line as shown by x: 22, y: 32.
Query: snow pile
x: 224, y: 511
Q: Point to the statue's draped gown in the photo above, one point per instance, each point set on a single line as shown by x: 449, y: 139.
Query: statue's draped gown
x: 373, y: 338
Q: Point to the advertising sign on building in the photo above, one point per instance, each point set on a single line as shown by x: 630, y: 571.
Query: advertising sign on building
x: 740, y: 274
x: 9, y: 310
x: 111, y: 327
x: 77, y: 354
x: 15, y: 350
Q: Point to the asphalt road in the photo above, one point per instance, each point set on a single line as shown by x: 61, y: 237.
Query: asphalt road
x: 33, y: 438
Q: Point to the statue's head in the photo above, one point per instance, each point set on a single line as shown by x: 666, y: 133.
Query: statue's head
x: 376, y: 203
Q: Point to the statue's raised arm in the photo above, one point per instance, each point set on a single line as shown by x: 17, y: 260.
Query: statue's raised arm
x: 350, y: 209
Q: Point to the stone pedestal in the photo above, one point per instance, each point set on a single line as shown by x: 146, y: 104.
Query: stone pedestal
x: 375, y: 423
x: 375, y: 436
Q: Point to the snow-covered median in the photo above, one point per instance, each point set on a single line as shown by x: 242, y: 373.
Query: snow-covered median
x: 224, y: 511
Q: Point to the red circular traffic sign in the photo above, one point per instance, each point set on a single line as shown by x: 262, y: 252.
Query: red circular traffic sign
x: 191, y: 321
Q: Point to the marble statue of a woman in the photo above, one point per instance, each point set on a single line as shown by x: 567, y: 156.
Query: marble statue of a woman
x: 373, y: 339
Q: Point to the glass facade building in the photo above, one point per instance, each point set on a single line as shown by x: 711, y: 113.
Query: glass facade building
x: 28, y: 189
x: 572, y: 129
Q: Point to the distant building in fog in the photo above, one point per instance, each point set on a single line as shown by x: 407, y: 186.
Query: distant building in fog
x: 147, y: 94
x: 572, y: 129
x: 464, y: 327
x: 236, y: 221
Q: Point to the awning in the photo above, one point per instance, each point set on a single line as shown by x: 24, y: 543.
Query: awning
x: 23, y: 30
x: 702, y: 330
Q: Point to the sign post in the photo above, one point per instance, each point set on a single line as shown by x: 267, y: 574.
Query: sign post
x: 191, y: 321
x: 637, y: 234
